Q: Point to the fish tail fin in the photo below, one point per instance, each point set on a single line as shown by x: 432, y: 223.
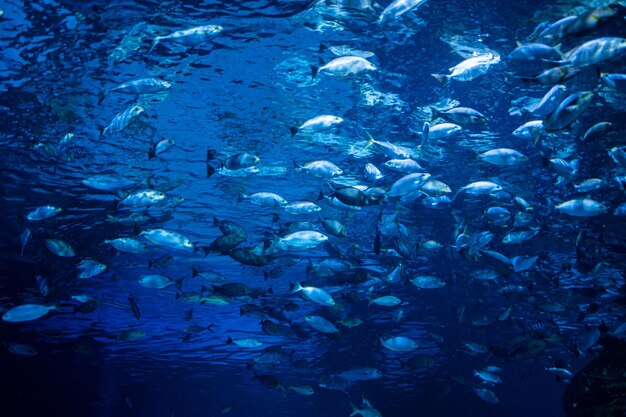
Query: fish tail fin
x: 155, y: 42
x: 194, y: 272
x: 294, y: 288
x: 229, y: 340
x: 179, y: 284
x: 314, y: 71
x: 210, y: 327
x: 296, y: 166
x: 355, y: 410
x: 205, y: 250
x: 101, y: 95
x: 435, y: 112
x: 293, y: 131
x: 442, y: 78
x: 425, y: 132
x: 322, y: 47
x: 150, y: 264
x: 527, y: 80
x: 370, y: 140
x: 151, y: 152
x: 536, y: 135
x: 321, y: 195
x: 102, y: 130
x: 216, y: 221
x: 557, y: 48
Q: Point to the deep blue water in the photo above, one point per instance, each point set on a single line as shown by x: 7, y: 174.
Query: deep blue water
x: 242, y: 92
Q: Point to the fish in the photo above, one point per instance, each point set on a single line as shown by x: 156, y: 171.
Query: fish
x: 314, y: 294
x: 555, y: 75
x: 334, y: 227
x: 549, y: 102
x: 138, y: 86
x: 428, y: 282
x: 405, y: 166
x: 127, y: 244
x: 350, y: 322
x: 503, y: 157
x: 470, y: 69
x: 372, y: 173
x: 387, y: 301
x: 299, y: 241
x: 594, y: 51
x: 486, y: 395
x: 26, y: 312
x: 142, y: 198
x: 155, y: 281
x: 618, y: 155
x: 107, y: 182
x: 24, y: 238
x: 320, y: 324
x: 344, y: 66
x: 42, y: 213
x: 407, y: 184
x: 343, y: 50
x: 317, y: 124
x: 615, y: 81
x: 591, y: 20
x: 585, y: 207
x: 534, y: 52
x: 142, y: 86
x: 242, y: 160
x: 228, y: 227
x: 389, y: 149
x: 568, y: 111
x: 160, y: 147
x: 89, y: 268
x: 60, y: 248
x: 302, y: 389
x: 397, y: 8
x: 480, y: 188
x: 443, y: 131
x: 590, y: 184
x: 359, y: 374
x: 244, y: 342
x: 319, y: 169
x: 22, y: 349
x: 191, y: 37
x: 130, y: 335
x: 168, y: 238
x: 42, y: 283
x: 435, y: 188
x: 122, y: 120
x: 399, y: 344
x: 520, y: 235
x: 365, y: 411
x: 161, y: 262
x: 462, y: 115
x: 134, y: 307
x: 265, y: 199
x: 596, y: 131
x: 532, y: 129
x: 487, y: 376
x: 302, y: 207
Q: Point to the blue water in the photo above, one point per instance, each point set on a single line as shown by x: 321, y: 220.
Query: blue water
x: 242, y: 92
